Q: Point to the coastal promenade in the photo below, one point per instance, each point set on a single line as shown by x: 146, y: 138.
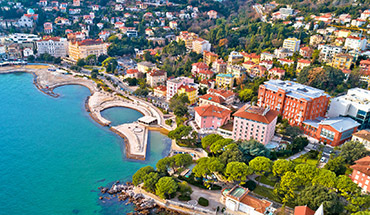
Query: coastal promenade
x: 135, y: 134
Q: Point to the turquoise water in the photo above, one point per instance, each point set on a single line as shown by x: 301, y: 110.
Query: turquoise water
x: 120, y: 115
x: 53, y: 156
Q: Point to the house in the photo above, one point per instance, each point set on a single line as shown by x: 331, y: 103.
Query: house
x: 200, y: 45
x: 306, y: 52
x: 149, y: 32
x: 156, y: 77
x: 190, y: 91
x: 211, y: 99
x: 276, y: 73
x: 267, y: 56
x: 77, y: 36
x: 365, y: 14
x: 302, y: 64
x: 27, y: 52
x: 251, y: 57
x: 211, y: 117
x: 48, y: 27
x: 209, y: 57
x: 188, y: 38
x: 327, y: 52
x: 174, y: 84
x: 160, y: 91
x: 295, y: 102
x: 343, y: 33
x: 197, y: 67
x: 253, y: 122
x: 55, y: 46
x: 227, y: 95
x: 284, y: 61
x: 342, y: 61
x: 248, y: 65
x: 361, y: 173
x: 283, y: 53
x: 332, y: 131
x: 257, y: 70
x: 316, y: 40
x: 362, y: 136
x: 292, y: 44
x: 212, y: 14
x: 267, y: 64
x: 145, y: 66
x: 355, y: 104
x: 304, y: 210
x: 205, y: 74
x: 104, y: 35
x: 358, y: 22
x: 237, y: 199
x: 14, y: 51
x: 133, y: 73
x: 224, y: 80
x: 173, y: 25
x: 76, y: 3
x: 235, y: 57
x: 84, y: 48
x: 356, y: 43
x: 26, y: 21
x: 219, y: 66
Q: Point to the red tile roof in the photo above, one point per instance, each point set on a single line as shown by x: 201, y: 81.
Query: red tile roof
x: 256, y: 113
x: 362, y: 165
x: 132, y: 71
x: 213, y: 98
x: 303, y: 210
x: 211, y: 110
x: 161, y: 88
x: 187, y: 88
x: 223, y: 93
x: 156, y: 72
x: 90, y: 42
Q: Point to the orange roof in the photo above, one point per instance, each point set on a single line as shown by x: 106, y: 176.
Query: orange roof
x: 90, y: 42
x: 187, y: 88
x: 256, y: 113
x: 303, y: 210
x: 304, y: 61
x: 206, y: 72
x: 156, y: 72
x: 257, y: 204
x: 277, y: 70
x: 132, y: 71
x: 211, y: 110
x: 161, y: 88
x: 362, y: 165
x: 223, y: 93
x: 200, y: 65
x: 214, y: 98
x: 51, y: 38
x: 210, y: 53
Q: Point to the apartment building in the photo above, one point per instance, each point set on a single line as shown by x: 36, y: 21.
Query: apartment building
x: 156, y: 77
x: 342, y: 61
x: 292, y: 44
x: 55, y: 46
x: 361, y: 173
x: 294, y: 102
x: 84, y: 48
x: 174, y: 84
x: 356, y: 43
x: 200, y: 45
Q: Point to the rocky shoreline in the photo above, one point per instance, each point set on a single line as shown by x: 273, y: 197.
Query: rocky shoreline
x: 125, y: 192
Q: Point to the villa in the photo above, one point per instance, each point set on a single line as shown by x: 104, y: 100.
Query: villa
x: 211, y: 117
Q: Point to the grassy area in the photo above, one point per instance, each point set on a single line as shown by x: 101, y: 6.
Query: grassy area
x: 266, y: 192
x: 266, y: 180
x: 303, y: 160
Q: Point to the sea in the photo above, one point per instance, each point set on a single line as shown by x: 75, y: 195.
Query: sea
x: 53, y: 156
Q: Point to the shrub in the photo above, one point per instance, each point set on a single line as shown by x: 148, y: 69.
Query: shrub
x: 251, y: 185
x: 203, y: 202
x: 313, y: 154
x: 169, y: 122
x: 184, y: 198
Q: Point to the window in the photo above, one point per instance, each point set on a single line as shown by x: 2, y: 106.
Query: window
x: 356, y: 177
x: 327, y: 134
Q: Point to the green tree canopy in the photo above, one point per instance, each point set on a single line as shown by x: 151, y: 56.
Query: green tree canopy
x: 282, y: 166
x: 150, y: 180
x: 209, y: 140
x: 337, y: 165
x: 253, y: 148
x: 165, y: 187
x: 179, y: 104
x: 138, y: 177
x: 325, y: 178
x: 237, y: 171
x: 182, y: 160
x: 352, y: 151
x: 218, y: 146
x: 261, y: 165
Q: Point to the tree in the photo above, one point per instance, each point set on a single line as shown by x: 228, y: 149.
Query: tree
x: 261, y: 165
x: 165, y: 187
x: 336, y: 165
x: 178, y: 104
x: 314, y: 196
x: 184, y: 188
x: 246, y: 95
x: 231, y: 153
x: 209, y: 140
x: 288, y: 184
x: 81, y: 62
x: 182, y: 160
x: 207, y: 165
x: 150, y: 180
x: 91, y: 59
x: 362, y: 213
x: 352, y: 151
x: 325, y: 178
x: 181, y: 134
x: 165, y: 163
x: 282, y: 166
x: 94, y: 73
x: 253, y: 148
x: 306, y: 172
x: 218, y: 146
x: 138, y: 177
x: 346, y: 187
x: 237, y: 171
x: 110, y: 64
x: 31, y: 58
x: 293, y: 131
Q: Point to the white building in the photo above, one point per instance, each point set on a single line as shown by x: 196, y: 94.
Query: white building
x: 356, y: 43
x: 200, y: 45
x: 55, y: 46
x: 355, y: 104
x: 174, y: 84
x: 292, y: 44
x: 22, y: 38
x: 26, y: 21
x: 27, y: 52
x: 327, y: 52
x: 362, y: 136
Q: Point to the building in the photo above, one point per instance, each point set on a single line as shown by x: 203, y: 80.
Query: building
x: 302, y: 64
x: 237, y: 200
x: 145, y: 66
x: 209, y: 99
x: 332, y: 131
x: 267, y: 56
x: 23, y: 38
x: 361, y: 173
x: 211, y: 117
x: 188, y: 38
x: 295, y: 102
x: 76, y: 3
x: 190, y: 92
x: 133, y: 73
x: 316, y: 40
x: 173, y: 25
x: 251, y: 57
x: 228, y: 96
x: 355, y: 104
x: 48, y: 27
x: 253, y: 122
x: 212, y: 14
x: 327, y: 52
x: 304, y: 210
x: 200, y: 45
x: 55, y: 46
x: 362, y: 136
x: 235, y: 57
x: 174, y: 84
x: 283, y: 53
x: 342, y: 61
x: 209, y: 57
x: 84, y: 48
x: 205, y: 74
x: 276, y: 73
x: 160, y: 91
x: 292, y: 44
x: 219, y: 66
x: 224, y: 80
x: 156, y: 77
x: 356, y: 43
x: 306, y: 52
x: 197, y: 67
